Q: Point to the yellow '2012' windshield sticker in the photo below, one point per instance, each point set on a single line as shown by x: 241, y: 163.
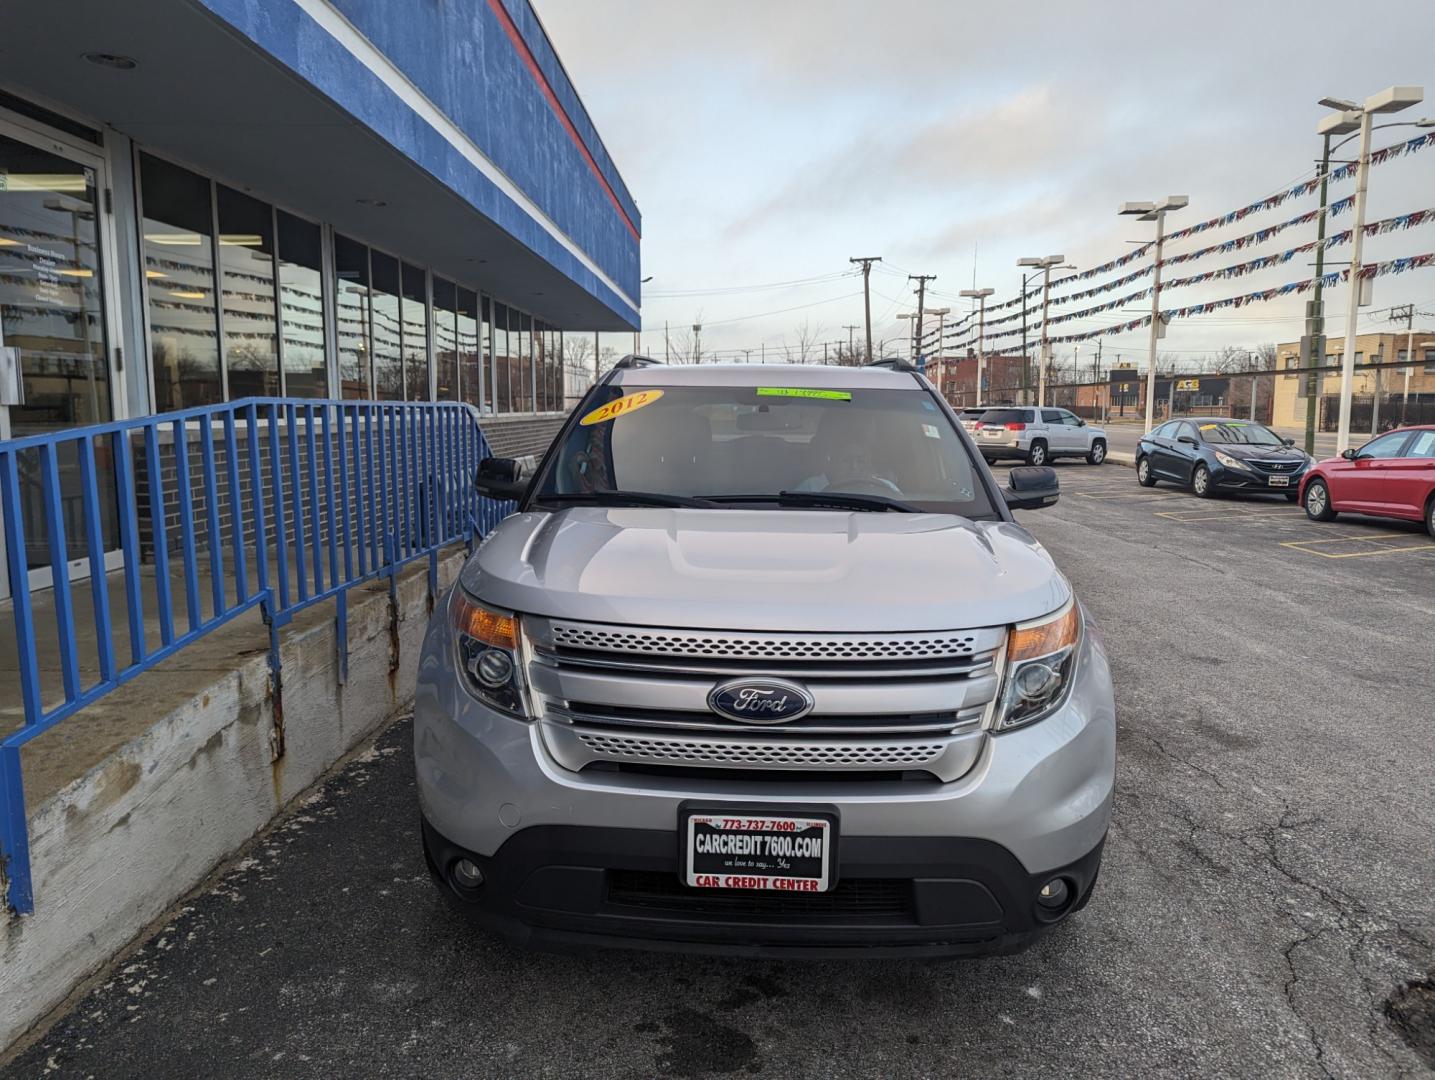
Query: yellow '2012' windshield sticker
x: 621, y: 407
x: 803, y: 392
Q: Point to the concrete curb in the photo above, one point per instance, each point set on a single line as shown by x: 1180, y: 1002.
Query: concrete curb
x: 1121, y: 457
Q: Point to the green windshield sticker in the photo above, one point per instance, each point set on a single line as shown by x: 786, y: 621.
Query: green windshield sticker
x: 802, y: 392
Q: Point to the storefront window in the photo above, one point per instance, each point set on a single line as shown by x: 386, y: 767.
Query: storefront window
x: 301, y: 307
x: 179, y: 267
x: 540, y: 365
x: 416, y: 334
x: 445, y: 340
x: 388, y: 358
x: 470, y: 359
x: 246, y: 267
x: 502, y: 362
x: 523, y: 360
x: 351, y: 304
x: 490, y: 366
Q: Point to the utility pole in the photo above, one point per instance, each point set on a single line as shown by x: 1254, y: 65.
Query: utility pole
x: 851, y: 348
x: 1313, y: 343
x: 918, y: 326
x: 697, y: 342
x: 667, y: 352
x: 867, y: 261
x: 1409, y: 313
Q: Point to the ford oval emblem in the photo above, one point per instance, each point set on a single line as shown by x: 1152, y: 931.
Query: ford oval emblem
x: 760, y: 701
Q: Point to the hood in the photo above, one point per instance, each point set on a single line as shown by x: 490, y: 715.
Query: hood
x: 768, y: 570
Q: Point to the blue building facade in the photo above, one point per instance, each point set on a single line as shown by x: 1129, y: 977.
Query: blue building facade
x: 202, y: 200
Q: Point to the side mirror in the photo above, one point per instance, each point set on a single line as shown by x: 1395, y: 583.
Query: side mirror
x: 1031, y: 487
x: 1348, y: 453
x: 1287, y: 442
x: 501, y: 478
x: 1189, y: 440
x: 1080, y: 422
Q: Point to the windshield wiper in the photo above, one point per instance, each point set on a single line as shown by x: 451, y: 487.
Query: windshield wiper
x: 625, y: 498
x: 836, y: 500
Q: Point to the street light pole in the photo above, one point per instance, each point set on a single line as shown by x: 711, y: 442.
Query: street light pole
x: 980, y: 296
x: 941, y: 314
x: 1154, y: 211
x: 1391, y: 99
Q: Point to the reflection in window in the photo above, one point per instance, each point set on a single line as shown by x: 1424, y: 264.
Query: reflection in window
x: 502, y: 364
x: 179, y: 266
x: 388, y: 359
x: 50, y: 299
x: 301, y: 307
x: 523, y: 361
x: 540, y: 365
x: 445, y: 340
x: 416, y: 334
x: 486, y: 343
x: 470, y: 359
x: 246, y: 266
x: 351, y: 304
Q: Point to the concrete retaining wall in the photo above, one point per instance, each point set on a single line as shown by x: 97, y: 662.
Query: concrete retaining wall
x: 116, y: 847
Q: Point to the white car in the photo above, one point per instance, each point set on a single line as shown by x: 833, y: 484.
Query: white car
x: 970, y: 418
x: 1038, y: 435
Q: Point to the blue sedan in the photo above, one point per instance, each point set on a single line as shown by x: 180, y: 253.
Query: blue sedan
x: 1211, y: 455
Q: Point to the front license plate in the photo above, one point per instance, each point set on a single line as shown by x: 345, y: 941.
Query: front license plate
x: 735, y: 849
x: 1279, y: 481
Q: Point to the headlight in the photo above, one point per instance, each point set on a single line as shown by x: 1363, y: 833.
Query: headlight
x: 489, y: 654
x: 1230, y: 462
x: 1040, y: 659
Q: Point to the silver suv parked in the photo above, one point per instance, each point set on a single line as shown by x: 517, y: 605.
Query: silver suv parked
x: 1038, y: 435
x: 762, y: 663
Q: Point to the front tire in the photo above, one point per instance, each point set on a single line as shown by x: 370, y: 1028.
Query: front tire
x: 1317, y: 501
x: 1037, y: 455
x: 1144, y: 476
x: 1097, y: 453
x: 1201, y: 484
x: 1430, y: 516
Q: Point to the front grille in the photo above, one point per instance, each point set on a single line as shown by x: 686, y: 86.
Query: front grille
x: 883, y: 702
x: 761, y: 648
x: 1275, y: 466
x: 762, y: 753
x: 865, y: 898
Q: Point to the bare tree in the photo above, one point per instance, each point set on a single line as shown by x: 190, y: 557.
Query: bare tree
x: 807, y: 346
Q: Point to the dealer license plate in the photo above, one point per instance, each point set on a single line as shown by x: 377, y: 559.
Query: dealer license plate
x: 1279, y: 481
x: 735, y: 849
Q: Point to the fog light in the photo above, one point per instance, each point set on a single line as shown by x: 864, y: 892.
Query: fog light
x: 1053, y: 894
x: 466, y: 874
x: 494, y: 669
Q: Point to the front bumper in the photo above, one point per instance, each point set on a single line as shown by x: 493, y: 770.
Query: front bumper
x: 1228, y: 479
x: 1035, y: 804
x: 561, y: 886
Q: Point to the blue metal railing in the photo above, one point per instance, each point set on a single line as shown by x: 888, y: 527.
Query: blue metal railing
x: 275, y: 503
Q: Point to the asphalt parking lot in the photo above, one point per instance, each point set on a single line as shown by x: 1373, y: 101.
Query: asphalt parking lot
x: 1264, y: 909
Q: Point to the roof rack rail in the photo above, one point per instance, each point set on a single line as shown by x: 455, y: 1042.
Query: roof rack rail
x: 632, y: 360
x: 891, y: 362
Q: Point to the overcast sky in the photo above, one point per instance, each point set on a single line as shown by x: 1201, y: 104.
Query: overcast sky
x: 767, y: 142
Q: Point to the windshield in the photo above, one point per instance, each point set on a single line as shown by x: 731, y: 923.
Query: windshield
x: 1238, y: 433
x: 728, y: 441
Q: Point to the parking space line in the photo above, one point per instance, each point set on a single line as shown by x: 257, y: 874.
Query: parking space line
x: 1228, y: 513
x: 1308, y: 546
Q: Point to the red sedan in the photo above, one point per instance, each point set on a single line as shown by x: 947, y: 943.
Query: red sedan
x: 1392, y: 476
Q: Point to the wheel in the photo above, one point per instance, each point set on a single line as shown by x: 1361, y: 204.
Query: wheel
x: 1430, y: 516
x: 1201, y: 483
x: 1144, y: 476
x: 1317, y: 501
x: 1097, y: 453
x: 1037, y: 454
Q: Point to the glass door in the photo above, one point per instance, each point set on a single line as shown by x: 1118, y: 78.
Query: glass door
x: 54, y: 279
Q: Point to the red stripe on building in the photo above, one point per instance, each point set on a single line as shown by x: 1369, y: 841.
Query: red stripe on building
x: 527, y: 55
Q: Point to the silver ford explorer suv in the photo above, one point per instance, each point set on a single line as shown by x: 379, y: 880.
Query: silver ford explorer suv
x: 762, y: 664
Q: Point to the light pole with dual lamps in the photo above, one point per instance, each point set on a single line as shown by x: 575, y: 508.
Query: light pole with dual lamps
x: 1045, y: 265
x: 980, y: 296
x: 1154, y: 211
x: 1391, y: 99
x: 941, y: 313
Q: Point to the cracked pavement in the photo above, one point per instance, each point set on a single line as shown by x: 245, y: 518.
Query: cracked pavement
x: 1264, y: 908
